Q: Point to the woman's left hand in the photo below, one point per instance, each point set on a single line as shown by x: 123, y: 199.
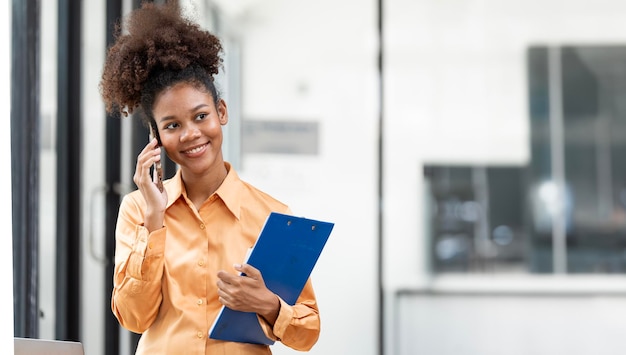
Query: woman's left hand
x: 247, y: 292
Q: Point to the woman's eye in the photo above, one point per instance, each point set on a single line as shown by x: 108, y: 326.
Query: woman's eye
x: 201, y: 116
x: 171, y: 125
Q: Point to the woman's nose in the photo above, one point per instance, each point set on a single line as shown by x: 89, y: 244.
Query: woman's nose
x: 190, y: 133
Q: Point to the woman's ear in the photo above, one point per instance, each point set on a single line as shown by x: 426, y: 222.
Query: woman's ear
x: 222, y: 112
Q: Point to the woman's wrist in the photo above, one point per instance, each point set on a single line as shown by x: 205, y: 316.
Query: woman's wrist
x: 272, y: 311
x: 153, y: 221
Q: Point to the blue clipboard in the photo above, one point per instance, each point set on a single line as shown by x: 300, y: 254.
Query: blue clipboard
x: 285, y: 253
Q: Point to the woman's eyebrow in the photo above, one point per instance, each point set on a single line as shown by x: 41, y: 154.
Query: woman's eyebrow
x: 198, y: 107
x: 193, y: 109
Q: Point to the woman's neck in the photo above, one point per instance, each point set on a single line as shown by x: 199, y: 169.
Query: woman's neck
x: 200, y: 187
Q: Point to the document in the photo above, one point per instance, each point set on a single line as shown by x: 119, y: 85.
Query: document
x: 285, y: 253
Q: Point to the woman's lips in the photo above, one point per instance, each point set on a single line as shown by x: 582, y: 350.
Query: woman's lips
x: 195, y: 150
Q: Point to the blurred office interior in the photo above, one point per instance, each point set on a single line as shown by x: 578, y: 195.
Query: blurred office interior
x: 469, y: 153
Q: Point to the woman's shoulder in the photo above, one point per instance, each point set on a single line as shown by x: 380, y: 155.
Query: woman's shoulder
x: 255, y: 194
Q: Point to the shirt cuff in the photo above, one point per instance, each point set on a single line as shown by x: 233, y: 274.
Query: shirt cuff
x: 282, y: 322
x: 156, y: 242
x: 285, y: 314
x: 146, y: 245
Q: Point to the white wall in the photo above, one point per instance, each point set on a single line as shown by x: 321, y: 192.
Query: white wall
x: 6, y: 252
x: 510, y: 325
x: 92, y: 269
x: 47, y: 169
x: 316, y: 60
x: 454, y: 67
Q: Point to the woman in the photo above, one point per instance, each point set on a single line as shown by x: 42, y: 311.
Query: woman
x: 177, y: 250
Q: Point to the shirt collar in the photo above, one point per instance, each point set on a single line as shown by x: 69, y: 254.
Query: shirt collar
x: 229, y: 191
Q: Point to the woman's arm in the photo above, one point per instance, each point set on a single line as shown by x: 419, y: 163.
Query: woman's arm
x: 139, y: 260
x: 296, y: 326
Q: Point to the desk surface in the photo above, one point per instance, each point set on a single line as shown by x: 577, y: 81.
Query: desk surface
x: 28, y: 346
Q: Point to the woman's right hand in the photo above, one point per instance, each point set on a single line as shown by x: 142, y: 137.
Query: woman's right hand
x: 155, y: 199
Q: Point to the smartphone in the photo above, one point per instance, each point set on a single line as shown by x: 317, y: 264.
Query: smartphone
x: 157, y: 170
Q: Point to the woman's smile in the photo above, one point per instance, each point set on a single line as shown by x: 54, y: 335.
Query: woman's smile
x: 195, y: 151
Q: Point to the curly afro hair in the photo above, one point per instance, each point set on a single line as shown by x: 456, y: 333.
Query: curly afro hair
x: 159, y: 49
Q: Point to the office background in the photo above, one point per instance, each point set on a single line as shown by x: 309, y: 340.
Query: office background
x: 469, y: 153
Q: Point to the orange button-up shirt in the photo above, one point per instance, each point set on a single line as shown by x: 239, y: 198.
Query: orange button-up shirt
x: 165, y: 282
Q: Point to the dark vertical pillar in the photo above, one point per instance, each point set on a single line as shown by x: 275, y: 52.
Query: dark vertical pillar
x: 381, y: 116
x: 68, y: 171
x: 113, y: 157
x: 25, y: 164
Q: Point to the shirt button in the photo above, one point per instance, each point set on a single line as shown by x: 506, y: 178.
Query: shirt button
x: 202, y: 226
x: 199, y: 302
x: 149, y: 245
x: 201, y: 262
x: 200, y: 335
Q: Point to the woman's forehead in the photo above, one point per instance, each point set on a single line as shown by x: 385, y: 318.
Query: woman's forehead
x: 180, y: 99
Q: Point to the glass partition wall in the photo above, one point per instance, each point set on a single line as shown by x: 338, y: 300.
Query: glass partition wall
x: 564, y: 211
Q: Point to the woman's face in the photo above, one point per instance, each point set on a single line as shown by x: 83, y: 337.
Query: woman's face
x: 190, y: 127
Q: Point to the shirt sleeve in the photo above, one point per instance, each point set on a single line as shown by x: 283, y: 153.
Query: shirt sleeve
x: 297, y: 326
x: 139, y: 261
